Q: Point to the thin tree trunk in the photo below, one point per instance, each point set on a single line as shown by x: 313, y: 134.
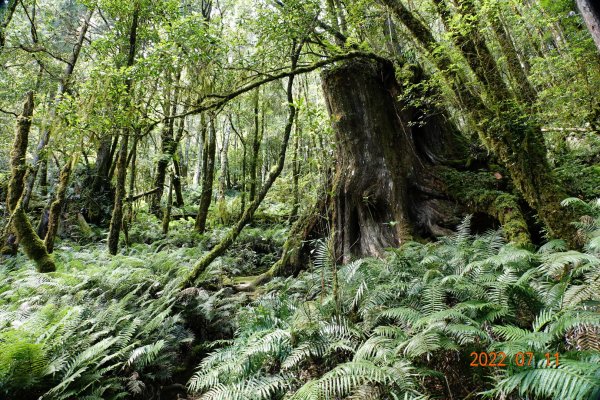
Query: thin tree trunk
x: 167, y: 214
x: 295, y: 173
x: 100, y: 185
x: 43, y: 182
x: 243, y: 180
x: 114, y: 147
x: 168, y: 149
x: 200, y: 139
x: 256, y: 139
x: 208, y: 173
x: 57, y: 205
x: 223, y: 172
x: 19, y: 222
x: 128, y: 213
x: 179, y: 165
x: 117, y: 214
x: 525, y: 90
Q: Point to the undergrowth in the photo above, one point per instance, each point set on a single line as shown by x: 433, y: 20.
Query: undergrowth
x: 403, y: 327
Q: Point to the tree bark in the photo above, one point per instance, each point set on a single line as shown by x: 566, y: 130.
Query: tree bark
x: 117, y: 213
x: 223, y: 172
x: 370, y: 185
x: 57, y: 205
x: 208, y: 172
x: 200, y: 139
x: 167, y: 213
x: 21, y: 226
x: 295, y: 174
x: 388, y: 185
x: 101, y: 193
x: 256, y: 139
x: 18, y: 169
x: 590, y: 11
x: 179, y: 166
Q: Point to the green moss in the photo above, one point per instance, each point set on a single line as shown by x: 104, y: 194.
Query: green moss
x: 478, y: 191
x: 32, y: 245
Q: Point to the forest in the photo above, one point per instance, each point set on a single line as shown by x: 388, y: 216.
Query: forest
x: 299, y: 199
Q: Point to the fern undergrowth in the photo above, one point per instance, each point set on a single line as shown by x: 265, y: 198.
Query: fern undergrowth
x: 402, y: 327
x: 405, y: 327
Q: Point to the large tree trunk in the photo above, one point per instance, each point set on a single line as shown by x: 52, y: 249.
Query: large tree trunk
x: 590, y: 11
x: 389, y: 184
x: 374, y: 156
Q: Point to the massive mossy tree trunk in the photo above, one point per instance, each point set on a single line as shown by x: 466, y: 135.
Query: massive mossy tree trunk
x: 20, y: 225
x: 390, y: 180
x: 374, y: 158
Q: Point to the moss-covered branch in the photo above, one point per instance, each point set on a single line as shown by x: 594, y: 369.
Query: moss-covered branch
x: 31, y: 243
x: 20, y: 225
x: 479, y: 193
x: 292, y: 258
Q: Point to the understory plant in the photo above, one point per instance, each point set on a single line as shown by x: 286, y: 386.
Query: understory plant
x: 413, y: 325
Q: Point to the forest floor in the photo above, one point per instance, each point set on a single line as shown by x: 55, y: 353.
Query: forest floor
x: 103, y: 327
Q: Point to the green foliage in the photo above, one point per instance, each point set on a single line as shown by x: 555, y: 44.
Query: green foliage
x: 420, y: 312
x: 93, y: 332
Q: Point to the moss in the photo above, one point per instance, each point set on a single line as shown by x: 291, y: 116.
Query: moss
x: 18, y: 153
x: 32, y: 245
x: 479, y: 192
